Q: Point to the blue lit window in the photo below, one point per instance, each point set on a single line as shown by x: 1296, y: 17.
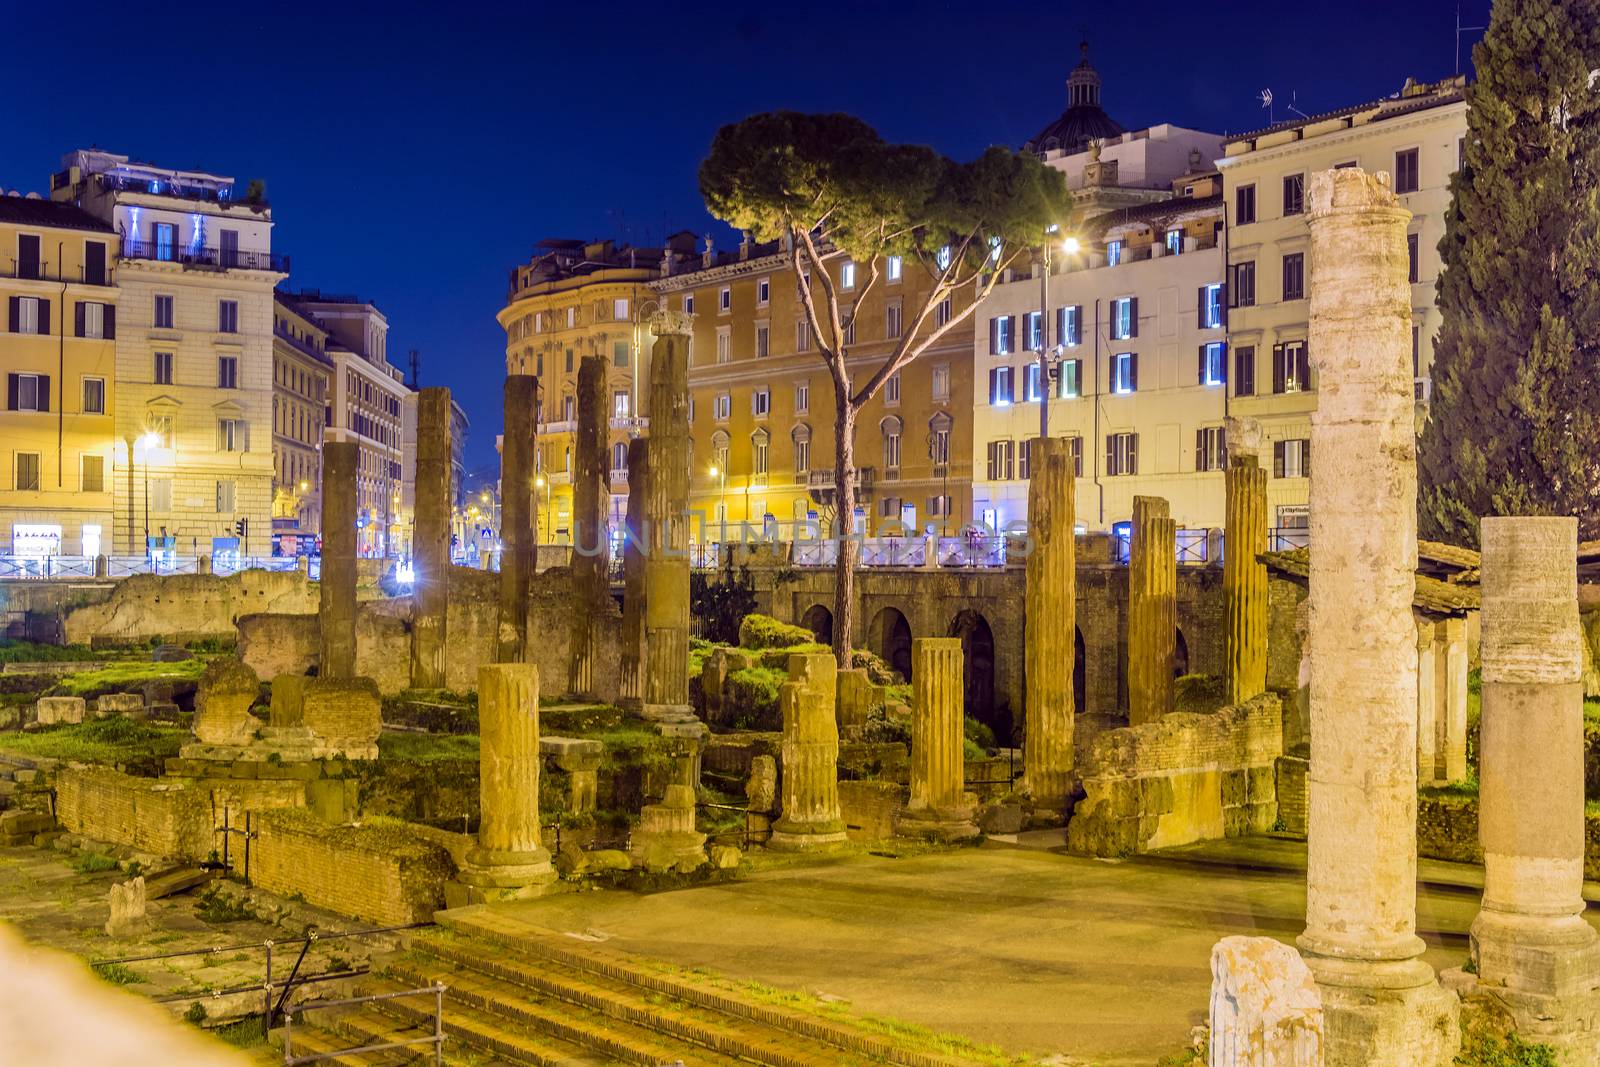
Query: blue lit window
x: 1125, y: 318
x: 1211, y: 306
x: 1174, y: 242
x: 1213, y: 363
x: 1124, y: 372
x: 1114, y: 253
x: 1033, y: 330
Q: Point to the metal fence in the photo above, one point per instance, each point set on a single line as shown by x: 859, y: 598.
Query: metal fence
x: 67, y: 568
x: 436, y: 1039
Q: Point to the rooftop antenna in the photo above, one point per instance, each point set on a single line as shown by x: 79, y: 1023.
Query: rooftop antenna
x: 1266, y: 102
x: 1294, y: 98
x: 1460, y: 29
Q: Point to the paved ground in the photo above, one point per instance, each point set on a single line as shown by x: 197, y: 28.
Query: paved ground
x: 1035, y: 951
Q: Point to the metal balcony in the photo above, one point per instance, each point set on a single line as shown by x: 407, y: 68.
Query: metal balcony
x: 203, y: 257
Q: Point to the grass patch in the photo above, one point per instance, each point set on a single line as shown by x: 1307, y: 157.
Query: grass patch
x: 32, y: 652
x: 751, y: 696
x: 699, y: 649
x: 123, y: 676
x: 214, y: 907
x: 1484, y: 1048
x: 241, y: 1033
x: 116, y: 974
x: 428, y: 748
x: 113, y: 740
x: 92, y: 863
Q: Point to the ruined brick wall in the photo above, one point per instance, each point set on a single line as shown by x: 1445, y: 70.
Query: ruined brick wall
x: 147, y: 814
x: 1447, y: 828
x: 1185, y: 777
x: 1283, y: 645
x: 380, y: 871
x: 1292, y: 795
x: 186, y: 606
x: 869, y: 809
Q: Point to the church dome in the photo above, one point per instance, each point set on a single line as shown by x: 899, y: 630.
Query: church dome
x: 1084, y: 120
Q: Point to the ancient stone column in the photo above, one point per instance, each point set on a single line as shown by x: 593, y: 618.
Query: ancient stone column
x: 631, y: 684
x: 1450, y: 652
x: 508, y: 861
x: 336, y: 596
x: 810, y: 819
x: 431, y: 544
x: 1427, y: 704
x: 940, y: 806
x: 1050, y: 625
x: 666, y: 675
x: 1530, y: 942
x: 1383, y: 1004
x: 516, y: 514
x: 591, y: 536
x: 1244, y: 576
x: 1152, y: 610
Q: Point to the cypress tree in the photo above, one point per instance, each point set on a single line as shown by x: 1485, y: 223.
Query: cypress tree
x: 1514, y: 427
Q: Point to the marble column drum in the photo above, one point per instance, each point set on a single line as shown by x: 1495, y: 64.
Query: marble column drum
x: 666, y: 674
x: 431, y: 544
x: 591, y: 535
x: 940, y: 806
x: 336, y: 589
x: 1152, y: 610
x: 810, y: 819
x: 1050, y: 627
x: 631, y: 683
x: 1244, y: 578
x: 516, y: 515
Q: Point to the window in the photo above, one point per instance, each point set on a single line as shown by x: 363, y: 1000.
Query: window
x: 619, y: 353
x: 761, y: 402
x: 28, y: 255
x: 891, y: 389
x: 30, y: 314
x: 724, y: 344
x: 227, y: 316
x: 619, y: 456
x: 569, y: 361
x: 1113, y: 253
x: 758, y: 452
x: 1244, y: 205
x: 1069, y: 325
x: 166, y: 239
x: 1214, y: 363
x: 619, y: 308
x: 572, y: 319
x: 1030, y: 378
x: 1294, y: 194
x: 619, y: 403
x: 27, y: 392
x: 163, y: 368
x: 802, y: 335
x: 1122, y: 453
x: 1002, y: 335
x: 802, y: 398
x: 891, y: 319
x: 1242, y: 284
x: 230, y: 435
x: 1125, y: 372
x: 1294, y: 276
x: 1406, y: 176
x: 1244, y: 371
x: 94, y: 396
x: 163, y: 313
x: 1069, y: 378
x: 225, y: 496
x: 939, y: 507
x: 1411, y: 256
x: 27, y: 471
x: 893, y: 268
x: 725, y: 300
x: 91, y: 473
x: 849, y: 326
x: 763, y: 340
x: 722, y: 407
x: 1348, y: 164
x: 719, y: 454
x: 1291, y: 368
x: 763, y: 291
x: 1210, y: 448
x: 1208, y: 306
x: 688, y: 303
x: 941, y: 382
x: 1033, y: 331
x: 1174, y: 241
x: 939, y: 440
x: 1000, y: 387
x: 227, y: 372
x: 942, y: 257
x: 1075, y: 449
x: 847, y: 274
x: 942, y: 312
x: 1125, y: 318
x: 890, y: 428
x: 1291, y: 458
x: 1025, y: 458
x: 1000, y: 454
x: 160, y: 494
x: 801, y: 437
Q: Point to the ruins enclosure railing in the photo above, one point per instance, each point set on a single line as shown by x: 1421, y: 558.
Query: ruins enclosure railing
x: 436, y: 1039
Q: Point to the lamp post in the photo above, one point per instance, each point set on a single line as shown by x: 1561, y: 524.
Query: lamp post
x: 539, y: 484
x: 149, y: 440
x: 1069, y: 246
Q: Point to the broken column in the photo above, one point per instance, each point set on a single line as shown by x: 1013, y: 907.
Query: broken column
x: 1244, y: 576
x: 666, y: 675
x: 1534, y: 951
x: 1383, y: 1005
x: 1152, y: 610
x: 1265, y: 1009
x: 940, y: 806
x: 810, y: 819
x: 631, y: 683
x: 508, y: 862
x: 336, y: 595
x: 431, y: 543
x: 591, y: 537
x: 516, y: 515
x: 1050, y: 625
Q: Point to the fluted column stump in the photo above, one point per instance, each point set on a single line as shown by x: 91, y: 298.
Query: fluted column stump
x: 336, y: 590
x: 1536, y: 956
x: 591, y: 536
x: 631, y: 684
x: 430, y: 596
x: 666, y: 838
x: 940, y: 807
x: 1384, y: 1006
x: 666, y: 674
x: 1152, y: 610
x: 516, y: 515
x: 1050, y: 623
x: 810, y: 820
x: 1427, y: 704
x: 508, y: 862
x: 1244, y: 576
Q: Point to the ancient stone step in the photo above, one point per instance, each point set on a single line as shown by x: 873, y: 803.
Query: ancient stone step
x: 314, y: 1039
x: 368, y: 1025
x: 175, y: 880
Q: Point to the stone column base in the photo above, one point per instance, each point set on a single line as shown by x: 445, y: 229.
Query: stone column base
x: 1567, y: 1023
x: 947, y: 825
x: 1393, y: 1014
x: 667, y: 713
x: 790, y: 836
x: 489, y: 876
x: 666, y: 840
x: 1544, y: 956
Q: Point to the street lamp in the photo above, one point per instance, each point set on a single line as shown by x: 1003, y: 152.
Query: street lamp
x: 538, y: 483
x: 150, y: 440
x: 1069, y: 246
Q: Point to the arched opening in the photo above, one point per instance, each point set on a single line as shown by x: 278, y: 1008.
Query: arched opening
x: 1180, y: 656
x: 819, y: 620
x: 1080, y: 672
x: 977, y: 654
x: 890, y: 637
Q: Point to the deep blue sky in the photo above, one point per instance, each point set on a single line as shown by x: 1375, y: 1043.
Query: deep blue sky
x: 413, y: 153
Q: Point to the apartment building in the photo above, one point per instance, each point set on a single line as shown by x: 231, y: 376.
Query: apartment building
x: 192, y: 468
x: 57, y: 441
x: 1418, y: 136
x: 301, y: 373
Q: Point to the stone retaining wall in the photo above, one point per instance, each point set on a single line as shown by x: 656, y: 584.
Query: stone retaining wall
x: 381, y: 871
x: 146, y: 814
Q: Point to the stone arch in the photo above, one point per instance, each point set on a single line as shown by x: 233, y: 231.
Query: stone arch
x: 1080, y: 672
x: 977, y: 654
x: 819, y: 620
x: 1180, y: 655
x: 889, y: 636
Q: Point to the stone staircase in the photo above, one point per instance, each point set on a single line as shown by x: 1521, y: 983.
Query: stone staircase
x: 520, y: 995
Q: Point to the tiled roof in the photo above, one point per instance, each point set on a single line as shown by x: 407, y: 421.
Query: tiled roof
x: 1392, y: 106
x: 26, y: 211
x: 1449, y: 555
x: 1432, y: 595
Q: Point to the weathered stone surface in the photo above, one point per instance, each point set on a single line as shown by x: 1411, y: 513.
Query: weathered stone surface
x: 344, y: 715
x: 939, y: 807
x: 336, y: 606
x: 811, y: 819
x: 1244, y: 576
x: 1152, y: 610
x: 666, y: 838
x: 666, y: 678
x: 127, y: 901
x: 1052, y: 620
x: 119, y: 703
x: 725, y: 857
x: 51, y: 711
x: 431, y: 539
x: 222, y: 716
x: 1265, y: 1008
x: 591, y: 540
x: 170, y: 653
x: 580, y: 758
x: 761, y: 788
x: 288, y: 701
x: 855, y: 699
x: 633, y: 579
x: 517, y: 534
x: 1383, y: 1004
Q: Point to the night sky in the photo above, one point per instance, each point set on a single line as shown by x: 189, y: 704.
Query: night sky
x: 414, y: 153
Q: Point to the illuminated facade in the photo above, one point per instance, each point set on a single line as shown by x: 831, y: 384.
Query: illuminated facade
x: 301, y: 370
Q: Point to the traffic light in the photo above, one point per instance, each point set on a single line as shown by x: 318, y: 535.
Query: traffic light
x: 242, y: 527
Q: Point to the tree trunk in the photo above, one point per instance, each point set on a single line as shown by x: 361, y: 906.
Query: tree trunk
x: 844, y: 570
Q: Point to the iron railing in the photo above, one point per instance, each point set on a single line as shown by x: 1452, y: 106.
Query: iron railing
x: 436, y: 1039
x: 1288, y: 538
x: 203, y: 256
x: 44, y: 271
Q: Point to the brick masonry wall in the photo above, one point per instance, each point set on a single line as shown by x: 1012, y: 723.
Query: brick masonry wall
x: 146, y: 814
x: 380, y: 871
x: 869, y: 809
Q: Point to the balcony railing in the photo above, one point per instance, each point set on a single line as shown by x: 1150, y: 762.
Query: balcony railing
x: 296, y: 342
x: 619, y: 476
x: 201, y: 256
x: 49, y: 272
x: 630, y: 422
